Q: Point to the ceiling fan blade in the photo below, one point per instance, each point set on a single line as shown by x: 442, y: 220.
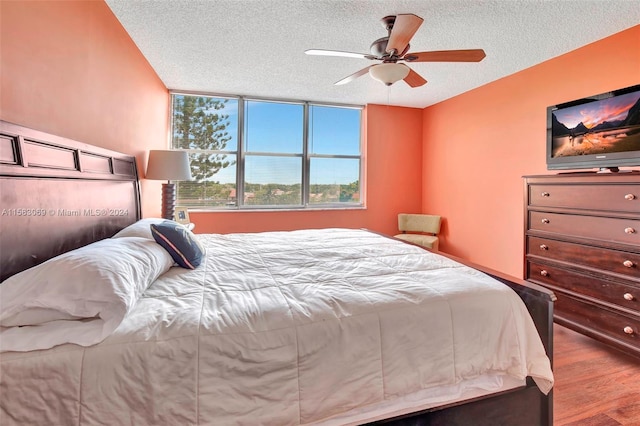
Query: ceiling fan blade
x: 353, y: 76
x: 404, y: 27
x: 414, y: 79
x: 468, y: 55
x: 322, y: 52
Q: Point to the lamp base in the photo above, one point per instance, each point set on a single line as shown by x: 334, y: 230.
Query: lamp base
x: 168, y: 200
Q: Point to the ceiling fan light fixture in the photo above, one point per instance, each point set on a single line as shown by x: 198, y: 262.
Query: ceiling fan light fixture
x: 389, y: 73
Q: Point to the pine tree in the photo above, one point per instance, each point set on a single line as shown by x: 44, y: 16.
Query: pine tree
x: 199, y: 124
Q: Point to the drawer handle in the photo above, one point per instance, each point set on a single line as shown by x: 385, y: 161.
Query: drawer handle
x: 628, y: 330
x: 626, y: 230
x: 628, y: 296
x: 629, y: 197
x: 628, y: 264
x: 544, y: 247
x: 545, y: 194
x: 545, y: 220
x: 544, y: 273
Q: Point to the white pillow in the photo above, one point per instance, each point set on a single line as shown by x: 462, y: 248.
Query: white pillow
x: 139, y: 229
x: 89, y: 289
x: 33, y: 316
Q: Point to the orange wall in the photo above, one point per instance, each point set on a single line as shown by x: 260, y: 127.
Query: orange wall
x: 393, y: 178
x: 478, y: 145
x: 70, y: 69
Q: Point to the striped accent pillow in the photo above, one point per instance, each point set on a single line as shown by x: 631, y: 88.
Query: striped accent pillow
x: 181, y: 243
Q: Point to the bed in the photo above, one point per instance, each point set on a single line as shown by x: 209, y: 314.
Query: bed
x: 317, y: 326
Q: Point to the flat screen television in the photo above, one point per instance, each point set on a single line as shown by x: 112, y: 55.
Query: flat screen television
x: 601, y: 131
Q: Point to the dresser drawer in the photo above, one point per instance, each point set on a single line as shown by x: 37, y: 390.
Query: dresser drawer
x: 609, y: 261
x: 612, y: 197
x: 593, y: 227
x: 621, y: 294
x: 610, y: 326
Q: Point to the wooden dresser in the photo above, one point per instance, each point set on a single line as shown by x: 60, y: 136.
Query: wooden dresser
x: 582, y: 240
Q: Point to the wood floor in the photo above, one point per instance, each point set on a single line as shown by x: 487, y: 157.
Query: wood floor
x: 594, y: 385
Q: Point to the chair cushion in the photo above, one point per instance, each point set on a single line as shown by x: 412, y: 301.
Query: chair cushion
x: 428, y: 241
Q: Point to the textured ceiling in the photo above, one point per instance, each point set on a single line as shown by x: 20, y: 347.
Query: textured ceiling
x: 256, y: 48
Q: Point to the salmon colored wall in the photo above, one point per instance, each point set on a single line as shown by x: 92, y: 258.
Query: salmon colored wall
x: 478, y: 145
x: 393, y: 152
x: 70, y: 69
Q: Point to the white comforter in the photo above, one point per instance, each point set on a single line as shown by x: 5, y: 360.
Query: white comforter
x: 282, y: 328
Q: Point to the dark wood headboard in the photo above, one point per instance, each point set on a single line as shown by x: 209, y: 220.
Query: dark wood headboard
x: 57, y: 194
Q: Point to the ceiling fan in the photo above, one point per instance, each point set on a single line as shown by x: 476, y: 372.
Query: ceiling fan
x: 393, y: 49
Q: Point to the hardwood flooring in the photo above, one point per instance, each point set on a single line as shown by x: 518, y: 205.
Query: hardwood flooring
x: 595, y: 385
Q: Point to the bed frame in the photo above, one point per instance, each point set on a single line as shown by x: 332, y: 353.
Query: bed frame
x: 58, y: 194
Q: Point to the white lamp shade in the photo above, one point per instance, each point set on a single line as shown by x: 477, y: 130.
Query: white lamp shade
x: 168, y: 165
x: 389, y: 73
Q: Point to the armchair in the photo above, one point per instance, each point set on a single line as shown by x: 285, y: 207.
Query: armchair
x: 420, y: 229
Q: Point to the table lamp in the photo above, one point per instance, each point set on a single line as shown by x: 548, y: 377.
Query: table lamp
x: 170, y: 166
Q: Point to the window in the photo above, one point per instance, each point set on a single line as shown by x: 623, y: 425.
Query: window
x: 249, y: 153
x: 274, y: 140
x: 207, y: 128
x: 334, y: 155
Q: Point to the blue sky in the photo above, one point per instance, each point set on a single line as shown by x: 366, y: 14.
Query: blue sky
x: 278, y: 127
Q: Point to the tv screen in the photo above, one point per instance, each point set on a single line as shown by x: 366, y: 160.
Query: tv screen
x: 601, y: 131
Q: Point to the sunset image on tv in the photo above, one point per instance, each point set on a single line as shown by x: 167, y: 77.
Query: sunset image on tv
x: 599, y: 127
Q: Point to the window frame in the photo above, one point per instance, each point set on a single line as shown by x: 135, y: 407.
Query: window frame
x: 240, y: 154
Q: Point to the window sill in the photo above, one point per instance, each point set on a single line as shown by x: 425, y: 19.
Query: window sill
x: 275, y: 209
